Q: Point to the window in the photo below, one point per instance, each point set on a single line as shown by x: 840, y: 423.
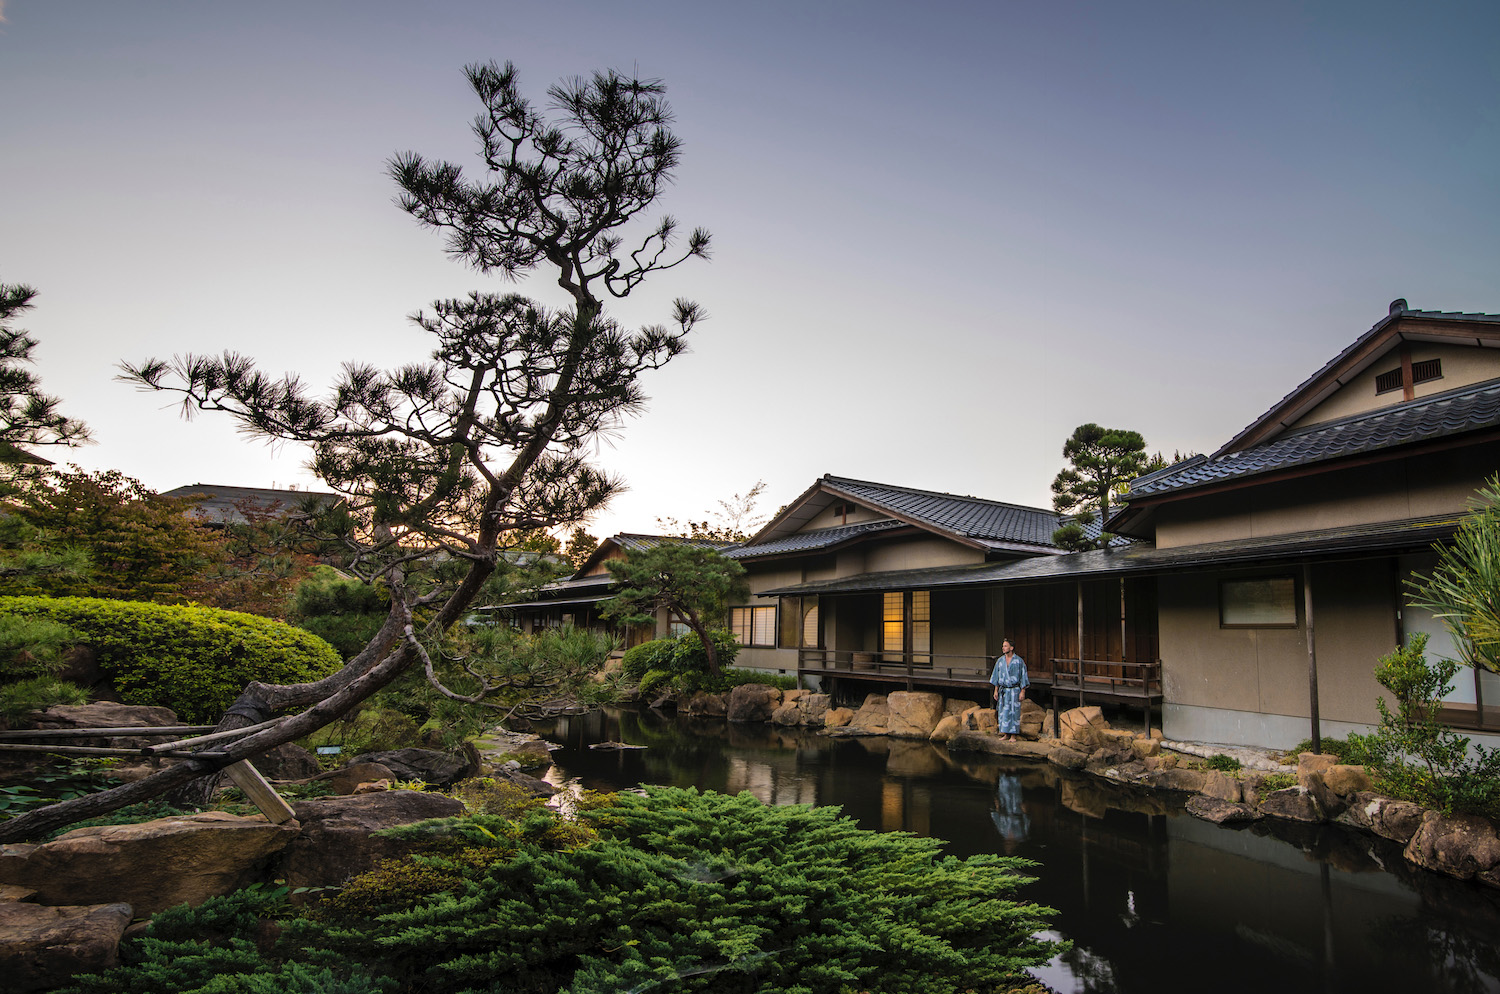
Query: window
x: 1421, y: 372
x: 799, y: 623
x: 906, y: 625
x: 754, y: 625
x: 1270, y: 602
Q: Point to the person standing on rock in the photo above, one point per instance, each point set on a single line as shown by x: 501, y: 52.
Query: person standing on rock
x: 1011, y: 681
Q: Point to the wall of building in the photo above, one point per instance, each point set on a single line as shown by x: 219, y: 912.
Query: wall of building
x: 918, y: 553
x: 1398, y: 490
x: 1207, y: 668
x: 1463, y: 365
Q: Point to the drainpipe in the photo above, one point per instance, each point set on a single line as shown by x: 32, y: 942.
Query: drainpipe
x: 1312, y: 657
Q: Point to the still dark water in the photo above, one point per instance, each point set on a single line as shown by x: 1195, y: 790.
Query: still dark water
x: 1153, y: 899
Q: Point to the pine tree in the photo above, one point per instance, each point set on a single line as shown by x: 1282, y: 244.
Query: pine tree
x: 1103, y: 461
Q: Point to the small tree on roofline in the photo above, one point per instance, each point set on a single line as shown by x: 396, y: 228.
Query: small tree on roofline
x: 1104, y: 459
x: 439, y: 460
x: 694, y: 582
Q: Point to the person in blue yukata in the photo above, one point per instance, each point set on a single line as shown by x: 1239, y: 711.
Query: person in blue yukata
x: 1011, y: 681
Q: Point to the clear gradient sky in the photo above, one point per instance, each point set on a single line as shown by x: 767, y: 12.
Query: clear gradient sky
x: 945, y: 233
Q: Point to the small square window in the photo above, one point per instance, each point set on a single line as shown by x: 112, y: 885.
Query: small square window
x: 1269, y: 602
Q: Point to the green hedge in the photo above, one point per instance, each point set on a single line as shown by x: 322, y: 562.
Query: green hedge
x: 194, y: 660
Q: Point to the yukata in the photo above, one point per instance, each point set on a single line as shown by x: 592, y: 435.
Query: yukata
x: 1010, y: 678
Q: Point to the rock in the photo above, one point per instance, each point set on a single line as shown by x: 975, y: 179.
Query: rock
x: 708, y: 705
x: 1462, y: 846
x: 345, y: 779
x: 1033, y: 718
x: 1169, y: 760
x: 1174, y: 779
x: 967, y: 740
x: 42, y: 947
x: 1293, y: 804
x: 752, y: 702
x: 913, y: 714
x: 1220, y: 811
x: 151, y: 865
x: 788, y: 714
x: 337, y: 841
x: 287, y: 761
x: 872, y: 716
x: 12, y: 892
x: 790, y: 696
x: 1117, y: 738
x: 837, y: 717
x: 440, y: 769
x: 1067, y: 758
x: 1221, y: 785
x: 1309, y: 763
x: 1144, y: 747
x: 106, y: 714
x: 1080, y: 728
x: 1346, y: 780
x: 524, y: 781
x: 956, y: 706
x: 814, y: 707
x: 981, y: 719
x: 949, y: 726
x: 373, y: 787
x: 1385, y: 816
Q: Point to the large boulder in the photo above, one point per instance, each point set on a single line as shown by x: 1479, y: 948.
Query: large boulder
x: 1220, y: 811
x: 43, y: 947
x: 1384, y: 816
x: 438, y: 769
x: 346, y: 779
x: 788, y: 714
x: 1221, y: 785
x: 706, y: 705
x: 837, y: 717
x: 913, y: 714
x: 753, y: 702
x: 1311, y: 764
x: 1294, y: 804
x: 287, y: 761
x: 1463, y: 846
x: 814, y: 707
x: 1033, y: 719
x: 949, y: 726
x: 1345, y: 780
x: 1080, y: 728
x: 337, y: 838
x: 151, y: 865
x: 1067, y: 758
x: 873, y: 715
x: 981, y: 719
x: 971, y: 741
x: 1175, y: 779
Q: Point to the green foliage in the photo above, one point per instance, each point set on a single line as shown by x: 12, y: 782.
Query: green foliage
x: 1353, y: 751
x: 683, y: 661
x: 27, y: 416
x: 132, y: 814
x: 1277, y: 781
x: 344, y: 612
x: 1104, y: 461
x: 1413, y: 755
x: 694, y: 582
x: 142, y: 546
x: 653, y: 680
x: 52, y: 778
x: 1227, y: 764
x: 1464, y: 589
x: 20, y: 698
x: 370, y: 728
x: 656, y: 654
x: 195, y: 660
x: 672, y: 890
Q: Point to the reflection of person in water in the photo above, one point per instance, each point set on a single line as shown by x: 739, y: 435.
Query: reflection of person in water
x: 1010, y: 816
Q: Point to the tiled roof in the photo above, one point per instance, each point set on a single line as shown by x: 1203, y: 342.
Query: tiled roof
x: 988, y: 521
x: 823, y: 538
x: 631, y: 542
x: 1424, y: 419
x: 1145, y: 559
x: 1398, y: 310
x: 217, y: 503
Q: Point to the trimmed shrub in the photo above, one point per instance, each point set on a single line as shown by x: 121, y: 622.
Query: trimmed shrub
x: 641, y: 659
x: 194, y: 660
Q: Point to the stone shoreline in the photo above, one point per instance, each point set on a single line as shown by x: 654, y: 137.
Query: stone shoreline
x: 1466, y: 847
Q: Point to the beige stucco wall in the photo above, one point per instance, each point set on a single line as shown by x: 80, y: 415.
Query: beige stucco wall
x: 828, y: 518
x: 1266, y: 669
x: 918, y: 553
x: 1462, y: 366
x: 1439, y: 483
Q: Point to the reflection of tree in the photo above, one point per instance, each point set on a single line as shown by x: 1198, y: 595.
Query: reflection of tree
x: 1456, y: 961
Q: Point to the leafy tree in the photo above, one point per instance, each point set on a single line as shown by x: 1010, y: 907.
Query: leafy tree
x: 1103, y: 461
x: 140, y: 545
x: 344, y: 612
x: 27, y: 416
x: 693, y: 582
x: 438, y: 461
x: 580, y: 546
x: 1464, y: 589
x: 734, y: 521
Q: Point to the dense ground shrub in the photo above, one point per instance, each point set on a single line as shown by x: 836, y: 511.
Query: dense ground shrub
x: 31, y: 653
x: 669, y: 891
x: 194, y: 660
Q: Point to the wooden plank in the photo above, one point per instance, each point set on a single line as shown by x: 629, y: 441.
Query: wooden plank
x: 97, y: 733
x: 248, y: 779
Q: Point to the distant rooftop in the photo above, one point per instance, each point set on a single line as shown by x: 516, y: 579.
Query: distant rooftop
x: 219, y: 504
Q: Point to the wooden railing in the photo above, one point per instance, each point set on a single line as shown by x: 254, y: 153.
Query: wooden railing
x: 915, y: 665
x: 1117, y: 682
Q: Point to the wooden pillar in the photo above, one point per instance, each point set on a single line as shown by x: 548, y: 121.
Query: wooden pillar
x: 1080, y: 643
x: 1312, y: 658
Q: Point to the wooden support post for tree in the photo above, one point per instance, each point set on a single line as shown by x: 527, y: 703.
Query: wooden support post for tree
x: 260, y: 792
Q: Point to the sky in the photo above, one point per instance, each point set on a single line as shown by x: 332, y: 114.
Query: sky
x: 945, y: 234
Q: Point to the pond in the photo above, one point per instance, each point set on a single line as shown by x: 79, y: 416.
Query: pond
x: 1153, y: 899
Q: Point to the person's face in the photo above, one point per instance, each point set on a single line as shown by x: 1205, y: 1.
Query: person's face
x: 1006, y: 647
